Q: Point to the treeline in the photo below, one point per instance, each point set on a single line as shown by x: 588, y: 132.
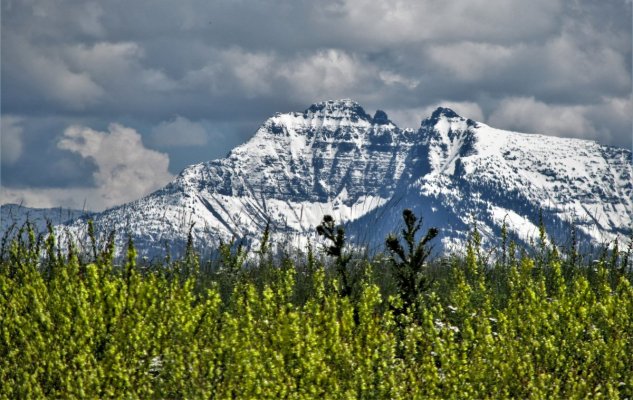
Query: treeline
x: 527, y: 323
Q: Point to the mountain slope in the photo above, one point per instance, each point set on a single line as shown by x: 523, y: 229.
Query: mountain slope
x: 334, y: 158
x: 473, y: 172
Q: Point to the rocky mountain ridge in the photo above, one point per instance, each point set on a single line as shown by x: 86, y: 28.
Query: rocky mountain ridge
x: 334, y: 158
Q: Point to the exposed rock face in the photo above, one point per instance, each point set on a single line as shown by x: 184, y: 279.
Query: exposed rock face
x: 336, y: 159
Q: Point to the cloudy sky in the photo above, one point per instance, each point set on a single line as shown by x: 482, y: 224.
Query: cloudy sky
x: 105, y: 101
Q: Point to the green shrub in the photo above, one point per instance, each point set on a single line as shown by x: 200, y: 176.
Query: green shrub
x: 77, y: 326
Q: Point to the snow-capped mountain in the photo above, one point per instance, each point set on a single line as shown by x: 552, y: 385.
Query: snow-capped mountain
x: 336, y: 159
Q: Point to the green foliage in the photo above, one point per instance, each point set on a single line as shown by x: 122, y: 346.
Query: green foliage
x: 73, y: 326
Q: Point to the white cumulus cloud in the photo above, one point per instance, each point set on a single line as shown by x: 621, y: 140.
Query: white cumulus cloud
x: 470, y: 61
x: 126, y: 171
x: 326, y: 74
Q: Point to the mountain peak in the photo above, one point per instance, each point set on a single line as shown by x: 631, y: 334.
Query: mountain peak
x: 381, y: 118
x: 338, y: 109
x: 444, y: 111
x: 336, y: 159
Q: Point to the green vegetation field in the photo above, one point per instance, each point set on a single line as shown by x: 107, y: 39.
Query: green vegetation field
x: 543, y: 323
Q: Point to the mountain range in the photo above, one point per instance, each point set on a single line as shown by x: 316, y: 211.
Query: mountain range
x: 334, y: 158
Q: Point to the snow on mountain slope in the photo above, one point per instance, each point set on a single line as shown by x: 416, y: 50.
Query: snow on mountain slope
x: 566, y: 178
x: 331, y: 159
x: 473, y: 172
x: 490, y: 174
x: 334, y: 158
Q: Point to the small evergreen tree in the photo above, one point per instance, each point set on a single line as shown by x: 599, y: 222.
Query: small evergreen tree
x: 336, y: 235
x: 409, y: 263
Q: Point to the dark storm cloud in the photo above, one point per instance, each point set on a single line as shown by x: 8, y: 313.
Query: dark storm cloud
x: 217, y: 69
